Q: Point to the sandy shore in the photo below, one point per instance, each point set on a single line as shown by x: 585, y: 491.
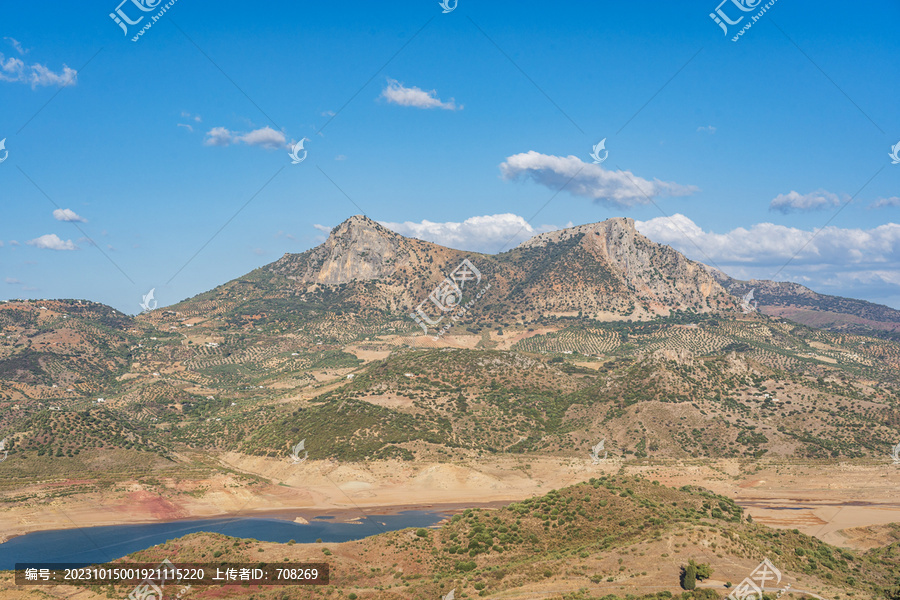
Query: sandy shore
x: 820, y: 500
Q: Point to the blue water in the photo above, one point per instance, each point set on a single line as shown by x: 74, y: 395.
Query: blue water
x: 91, y: 545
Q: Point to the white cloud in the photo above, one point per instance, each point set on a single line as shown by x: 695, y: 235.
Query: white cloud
x: 328, y: 113
x: 322, y: 228
x: 886, y: 202
x: 188, y: 127
x: 188, y: 115
x: 51, y: 241
x: 850, y: 262
x: 340, y: 157
x: 68, y: 215
x: 619, y: 188
x: 796, y: 202
x: 12, y: 281
x: 397, y: 93
x: 487, y: 233
x: 708, y: 129
x: 265, y: 137
x: 37, y: 75
x: 771, y: 244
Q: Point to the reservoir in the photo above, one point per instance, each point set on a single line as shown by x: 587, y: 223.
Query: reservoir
x: 91, y: 545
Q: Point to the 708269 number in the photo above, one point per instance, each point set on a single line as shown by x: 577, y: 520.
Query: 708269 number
x: 298, y: 574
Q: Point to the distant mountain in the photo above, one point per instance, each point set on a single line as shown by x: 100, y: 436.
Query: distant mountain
x: 800, y: 304
x: 604, y: 271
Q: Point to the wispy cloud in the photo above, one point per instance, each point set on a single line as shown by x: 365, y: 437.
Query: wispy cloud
x: 68, y: 215
x: 186, y: 126
x: 397, y: 93
x: 893, y: 201
x: 264, y: 137
x: 617, y: 188
x: 51, y: 241
x: 17, y: 45
x: 12, y: 281
x: 708, y: 129
x: 322, y: 228
x: 796, y: 202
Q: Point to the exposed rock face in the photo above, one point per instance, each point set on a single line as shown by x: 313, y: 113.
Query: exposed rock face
x: 654, y: 274
x: 357, y: 249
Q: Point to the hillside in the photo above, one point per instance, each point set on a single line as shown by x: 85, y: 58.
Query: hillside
x: 802, y: 305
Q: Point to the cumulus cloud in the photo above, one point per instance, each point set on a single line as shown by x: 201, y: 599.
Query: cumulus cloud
x: 218, y: 136
x: 796, y: 202
x: 397, y: 93
x: 886, y: 202
x: 265, y: 137
x: 37, y: 75
x: 487, y: 233
x: 617, y: 188
x: 68, y: 215
x: 833, y: 260
x: 51, y: 241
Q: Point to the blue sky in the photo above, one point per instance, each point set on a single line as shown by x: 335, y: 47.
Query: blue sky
x: 164, y: 163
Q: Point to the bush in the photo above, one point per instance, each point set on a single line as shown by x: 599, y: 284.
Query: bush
x: 422, y: 532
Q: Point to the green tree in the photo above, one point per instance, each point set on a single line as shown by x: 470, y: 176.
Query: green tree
x: 703, y: 570
x: 689, y: 577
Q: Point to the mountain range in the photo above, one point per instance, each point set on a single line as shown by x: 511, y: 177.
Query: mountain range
x: 574, y: 335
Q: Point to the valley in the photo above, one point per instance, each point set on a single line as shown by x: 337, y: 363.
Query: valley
x: 305, y: 387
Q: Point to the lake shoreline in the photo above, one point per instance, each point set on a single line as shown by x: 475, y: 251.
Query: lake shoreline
x: 308, y: 514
